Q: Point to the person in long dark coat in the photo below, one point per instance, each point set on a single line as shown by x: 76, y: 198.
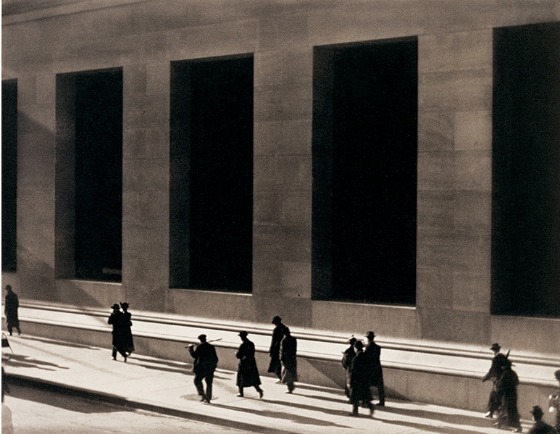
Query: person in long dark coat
x: 247, y: 372
x: 275, y: 365
x: 498, y: 362
x: 347, y: 356
x: 373, y: 353
x: 118, y: 321
x: 288, y: 357
x: 205, y: 363
x: 128, y: 340
x: 506, y: 387
x: 360, y: 379
x: 11, y: 306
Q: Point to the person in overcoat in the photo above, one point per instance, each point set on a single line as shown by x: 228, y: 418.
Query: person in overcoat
x: 275, y: 365
x: 540, y: 426
x: 288, y: 357
x: 247, y: 371
x: 373, y: 353
x: 360, y: 379
x: 128, y: 340
x: 506, y: 387
x: 118, y: 321
x: 498, y: 362
x: 11, y: 306
x: 205, y: 363
x: 347, y: 356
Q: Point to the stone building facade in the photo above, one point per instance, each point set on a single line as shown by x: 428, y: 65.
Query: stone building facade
x: 291, y: 263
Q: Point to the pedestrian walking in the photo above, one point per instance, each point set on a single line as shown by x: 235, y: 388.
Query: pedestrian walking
x: 118, y: 321
x: 247, y: 372
x: 288, y: 357
x: 11, y: 306
x: 506, y: 387
x: 128, y: 340
x: 347, y: 356
x: 540, y: 427
x: 498, y: 362
x: 275, y: 366
x: 360, y: 380
x: 373, y: 353
x: 205, y: 363
x: 554, y: 402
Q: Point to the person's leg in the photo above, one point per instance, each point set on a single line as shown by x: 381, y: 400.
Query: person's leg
x: 258, y: 389
x: 198, y: 384
x: 209, y: 380
x: 114, y: 353
x: 240, y: 391
x: 381, y: 393
x: 10, y: 328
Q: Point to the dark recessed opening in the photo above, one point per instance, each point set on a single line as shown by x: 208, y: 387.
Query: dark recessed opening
x: 364, y: 172
x: 212, y: 174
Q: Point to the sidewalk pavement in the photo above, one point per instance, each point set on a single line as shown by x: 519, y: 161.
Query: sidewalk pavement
x: 166, y: 387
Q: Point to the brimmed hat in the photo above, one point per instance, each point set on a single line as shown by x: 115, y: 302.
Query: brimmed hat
x: 124, y: 304
x: 370, y: 335
x: 243, y: 333
x: 201, y: 337
x: 351, y: 341
x: 276, y: 320
x: 495, y: 347
x: 537, y: 412
x: 115, y: 306
x: 359, y: 345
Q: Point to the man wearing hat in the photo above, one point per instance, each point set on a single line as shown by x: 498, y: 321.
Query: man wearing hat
x: 360, y: 378
x: 540, y: 427
x: 373, y: 353
x: 347, y: 356
x: 554, y: 401
x: 247, y: 372
x: 205, y: 363
x: 498, y: 362
x: 117, y: 320
x: 275, y: 365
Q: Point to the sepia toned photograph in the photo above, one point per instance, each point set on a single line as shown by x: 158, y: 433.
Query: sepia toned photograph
x: 280, y: 216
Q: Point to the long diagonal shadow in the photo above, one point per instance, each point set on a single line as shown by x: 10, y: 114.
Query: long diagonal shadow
x: 432, y: 428
x: 311, y: 407
x: 61, y: 343
x: 20, y: 361
x: 288, y: 416
x: 456, y: 419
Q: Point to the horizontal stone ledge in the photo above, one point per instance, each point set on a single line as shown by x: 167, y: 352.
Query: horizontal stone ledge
x: 430, y: 357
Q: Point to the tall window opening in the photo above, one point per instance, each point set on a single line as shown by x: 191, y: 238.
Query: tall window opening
x: 211, y: 188
x: 89, y: 175
x: 364, y: 172
x: 526, y: 179
x: 9, y: 175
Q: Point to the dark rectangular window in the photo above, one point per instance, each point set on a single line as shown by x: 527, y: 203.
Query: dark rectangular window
x: 9, y: 175
x: 98, y: 175
x: 211, y: 190
x: 364, y: 172
x: 526, y: 179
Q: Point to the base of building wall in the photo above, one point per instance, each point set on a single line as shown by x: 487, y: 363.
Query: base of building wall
x: 441, y: 376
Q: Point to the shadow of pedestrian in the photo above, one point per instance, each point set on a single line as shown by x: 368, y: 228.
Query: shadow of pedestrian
x: 61, y: 343
x: 281, y: 415
x: 451, y: 418
x: 20, y: 361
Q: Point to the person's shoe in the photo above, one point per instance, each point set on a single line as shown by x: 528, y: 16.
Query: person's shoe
x: 239, y: 395
x: 125, y: 359
x: 261, y: 393
x: 278, y: 381
x: 518, y: 429
x: 489, y: 414
x: 202, y: 398
x: 381, y: 404
x: 371, y: 410
x: 114, y: 358
x: 289, y: 391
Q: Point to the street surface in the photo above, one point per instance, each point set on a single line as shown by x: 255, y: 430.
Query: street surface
x: 44, y: 412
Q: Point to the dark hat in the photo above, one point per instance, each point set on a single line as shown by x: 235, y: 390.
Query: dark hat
x: 370, y: 335
x: 9, y: 287
x: 243, y: 333
x: 124, y: 304
x: 537, y: 412
x: 359, y: 345
x: 201, y: 337
x: 351, y: 341
x: 115, y: 306
x: 495, y: 347
x: 276, y: 320
x: 557, y: 374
